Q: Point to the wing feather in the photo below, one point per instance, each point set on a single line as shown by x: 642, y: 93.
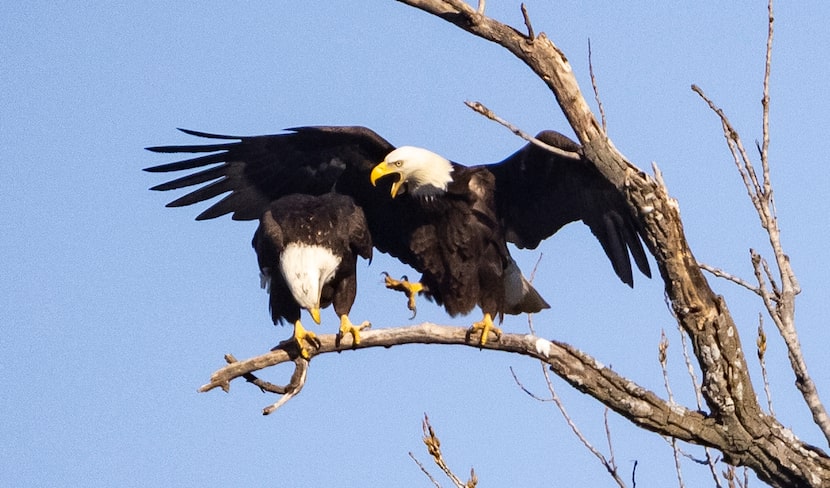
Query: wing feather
x: 207, y: 192
x: 538, y: 192
x: 257, y: 170
x: 187, y: 163
x: 197, y: 178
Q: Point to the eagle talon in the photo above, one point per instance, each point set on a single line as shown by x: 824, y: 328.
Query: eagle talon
x: 485, y: 326
x: 302, y: 335
x: 410, y: 289
x: 347, y: 327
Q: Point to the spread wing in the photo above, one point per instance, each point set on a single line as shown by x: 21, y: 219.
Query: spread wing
x: 254, y: 171
x: 538, y: 192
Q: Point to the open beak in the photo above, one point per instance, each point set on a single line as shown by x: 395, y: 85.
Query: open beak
x: 384, y: 169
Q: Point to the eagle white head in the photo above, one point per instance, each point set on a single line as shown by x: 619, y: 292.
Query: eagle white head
x: 424, y: 172
x: 306, y: 269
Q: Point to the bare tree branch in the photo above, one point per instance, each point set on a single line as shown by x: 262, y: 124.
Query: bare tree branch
x: 574, y: 366
x: 611, y: 458
x: 756, y: 440
x: 761, y: 343
x: 662, y: 357
x: 530, y: 34
x: 609, y: 466
x: 483, y: 110
x: 584, y: 373
x: 729, y: 277
x: 765, y: 102
x: 424, y: 470
x: 596, y: 88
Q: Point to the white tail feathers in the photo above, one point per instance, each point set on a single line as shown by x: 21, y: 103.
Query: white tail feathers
x: 519, y: 295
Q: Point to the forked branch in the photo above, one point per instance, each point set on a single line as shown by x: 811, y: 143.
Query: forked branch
x: 756, y: 440
x: 583, y: 372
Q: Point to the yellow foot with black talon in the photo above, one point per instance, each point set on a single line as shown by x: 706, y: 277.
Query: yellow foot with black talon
x: 485, y: 326
x: 302, y: 336
x: 347, y: 327
x: 410, y: 289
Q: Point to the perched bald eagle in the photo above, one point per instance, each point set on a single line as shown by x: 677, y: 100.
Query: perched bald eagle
x: 449, y: 222
x: 307, y: 248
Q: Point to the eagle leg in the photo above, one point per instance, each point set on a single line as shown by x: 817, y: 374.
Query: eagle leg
x: 347, y: 327
x: 302, y: 335
x: 407, y: 287
x: 485, y: 326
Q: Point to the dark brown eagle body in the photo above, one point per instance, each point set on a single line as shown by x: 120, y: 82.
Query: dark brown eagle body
x: 469, y: 264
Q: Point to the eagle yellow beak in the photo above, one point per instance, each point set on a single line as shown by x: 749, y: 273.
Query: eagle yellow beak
x: 315, y: 314
x: 384, y: 169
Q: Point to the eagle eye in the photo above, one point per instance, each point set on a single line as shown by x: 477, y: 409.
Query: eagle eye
x: 398, y: 163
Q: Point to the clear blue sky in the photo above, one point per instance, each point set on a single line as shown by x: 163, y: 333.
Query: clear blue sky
x: 114, y: 310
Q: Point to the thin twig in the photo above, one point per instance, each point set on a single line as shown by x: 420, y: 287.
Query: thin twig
x: 730, y: 277
x: 483, y: 110
x: 730, y: 477
x: 685, y: 454
x: 776, y: 291
x: 610, y: 466
x: 530, y: 34
x: 608, y: 438
x: 530, y: 279
x: 765, y: 104
x: 424, y: 470
x: 739, y: 156
x: 535, y: 268
x: 611, y: 469
x: 525, y: 389
x: 761, y: 343
x: 634, y: 475
x: 662, y: 357
x: 596, y: 88
x: 758, y: 265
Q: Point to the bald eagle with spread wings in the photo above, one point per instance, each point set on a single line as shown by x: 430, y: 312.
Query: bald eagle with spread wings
x: 451, y: 223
